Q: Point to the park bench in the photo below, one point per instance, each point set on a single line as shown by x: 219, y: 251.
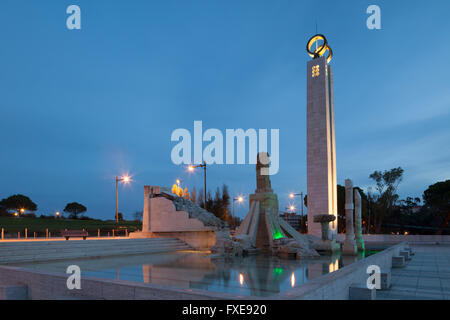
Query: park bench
x: 74, y: 233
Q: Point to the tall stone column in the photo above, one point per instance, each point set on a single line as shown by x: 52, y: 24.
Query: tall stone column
x: 146, y: 213
x: 321, y: 150
x: 358, y: 231
x: 349, y: 247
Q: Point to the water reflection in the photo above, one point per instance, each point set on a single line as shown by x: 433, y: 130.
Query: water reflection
x: 254, y: 275
x: 257, y: 275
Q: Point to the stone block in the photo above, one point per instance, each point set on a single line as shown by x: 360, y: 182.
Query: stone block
x: 385, y: 278
x: 361, y: 292
x: 13, y: 292
x: 405, y: 254
x: 398, y: 261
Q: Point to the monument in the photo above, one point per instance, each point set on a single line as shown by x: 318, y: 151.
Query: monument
x: 263, y: 228
x: 358, y: 233
x: 321, y: 151
x: 166, y: 215
x: 349, y: 246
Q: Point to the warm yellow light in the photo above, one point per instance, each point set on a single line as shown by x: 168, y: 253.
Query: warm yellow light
x: 57, y: 213
x: 191, y: 168
x: 291, y: 195
x: 292, y: 208
x: 126, y: 179
x: 22, y: 210
x: 240, y: 199
x: 178, y: 181
x: 241, y: 279
x: 15, y: 214
x: 292, y: 280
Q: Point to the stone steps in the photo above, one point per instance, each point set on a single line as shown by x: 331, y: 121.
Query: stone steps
x: 45, y: 251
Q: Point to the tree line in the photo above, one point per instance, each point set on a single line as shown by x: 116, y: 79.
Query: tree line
x: 384, y: 212
x: 22, y: 205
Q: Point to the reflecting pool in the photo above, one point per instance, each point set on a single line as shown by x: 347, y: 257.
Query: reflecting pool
x: 253, y: 275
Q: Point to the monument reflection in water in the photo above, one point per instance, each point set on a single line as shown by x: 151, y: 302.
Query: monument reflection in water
x: 253, y: 275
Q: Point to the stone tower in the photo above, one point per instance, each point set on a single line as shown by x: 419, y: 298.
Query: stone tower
x: 321, y: 151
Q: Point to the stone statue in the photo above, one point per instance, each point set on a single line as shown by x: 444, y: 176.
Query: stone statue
x: 358, y: 231
x: 263, y: 184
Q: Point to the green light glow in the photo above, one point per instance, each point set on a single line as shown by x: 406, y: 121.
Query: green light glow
x: 276, y: 234
x: 277, y: 271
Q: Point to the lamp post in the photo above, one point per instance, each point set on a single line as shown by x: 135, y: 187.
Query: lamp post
x: 203, y: 165
x: 125, y: 179
x: 293, y: 195
x: 239, y: 199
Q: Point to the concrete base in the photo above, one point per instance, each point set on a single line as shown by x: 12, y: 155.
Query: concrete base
x: 398, y: 261
x: 405, y: 254
x: 200, y: 240
x: 361, y: 292
x: 349, y: 248
x: 13, y: 292
x: 327, y: 246
x: 385, y: 280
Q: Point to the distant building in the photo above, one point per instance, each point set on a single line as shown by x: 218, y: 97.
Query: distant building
x: 292, y: 218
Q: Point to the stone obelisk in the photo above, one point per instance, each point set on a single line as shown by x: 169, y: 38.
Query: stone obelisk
x: 349, y: 246
x: 321, y: 151
x: 358, y: 228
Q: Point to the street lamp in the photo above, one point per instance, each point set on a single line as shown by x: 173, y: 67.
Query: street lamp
x: 57, y: 214
x: 293, y: 195
x: 124, y: 179
x: 238, y: 199
x: 191, y: 168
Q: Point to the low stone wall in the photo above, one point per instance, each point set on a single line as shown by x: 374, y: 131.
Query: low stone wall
x: 47, y: 286
x: 397, y: 238
x: 335, y: 285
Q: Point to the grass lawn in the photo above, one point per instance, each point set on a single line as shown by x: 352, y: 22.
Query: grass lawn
x: 39, y: 225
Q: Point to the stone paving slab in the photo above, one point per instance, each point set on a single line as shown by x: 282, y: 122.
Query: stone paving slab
x: 425, y: 277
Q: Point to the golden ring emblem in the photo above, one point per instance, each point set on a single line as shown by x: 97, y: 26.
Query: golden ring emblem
x: 320, y: 49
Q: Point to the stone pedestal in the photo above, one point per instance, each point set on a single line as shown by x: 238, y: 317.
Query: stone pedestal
x: 325, y: 244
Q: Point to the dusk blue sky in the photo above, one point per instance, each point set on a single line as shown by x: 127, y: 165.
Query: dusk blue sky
x: 78, y: 107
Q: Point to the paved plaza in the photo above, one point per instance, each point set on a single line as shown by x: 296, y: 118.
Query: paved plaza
x: 425, y: 277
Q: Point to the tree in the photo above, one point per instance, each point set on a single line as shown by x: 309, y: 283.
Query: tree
x: 437, y: 197
x: 138, y: 215
x: 383, y: 203
x: 194, y: 195
x: 74, y: 208
x: 18, y: 202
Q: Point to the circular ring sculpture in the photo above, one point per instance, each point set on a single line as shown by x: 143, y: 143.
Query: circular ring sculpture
x: 320, y: 49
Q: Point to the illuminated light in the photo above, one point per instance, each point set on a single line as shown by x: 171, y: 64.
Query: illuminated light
x: 334, y: 266
x: 57, y: 213
x: 315, y: 71
x: 178, y: 181
x: 292, y: 208
x: 278, y: 271
x: 320, y: 49
x: 15, y: 214
x: 291, y: 195
x: 22, y: 210
x: 293, y: 280
x: 191, y: 168
x: 241, y: 279
x: 240, y: 199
